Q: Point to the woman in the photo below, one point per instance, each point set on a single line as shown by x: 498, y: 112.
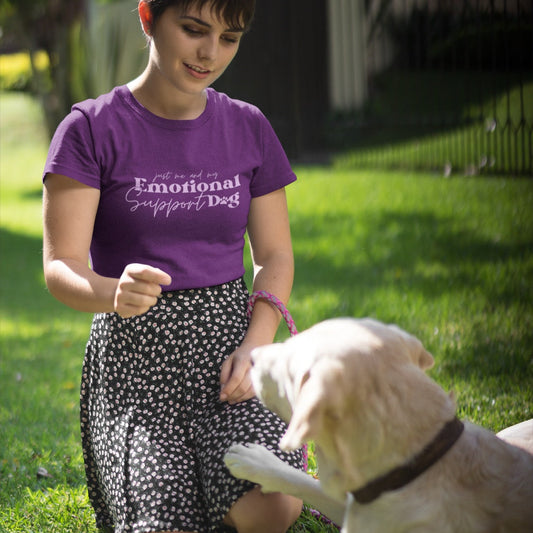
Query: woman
x: 155, y: 184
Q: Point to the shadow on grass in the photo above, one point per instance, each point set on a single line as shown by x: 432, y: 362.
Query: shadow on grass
x: 397, y: 245
x: 41, y: 354
x: 24, y: 293
x: 420, y: 260
x: 35, y: 194
x: 21, y: 280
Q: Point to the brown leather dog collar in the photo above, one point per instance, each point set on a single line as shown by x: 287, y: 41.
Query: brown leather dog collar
x: 403, y: 475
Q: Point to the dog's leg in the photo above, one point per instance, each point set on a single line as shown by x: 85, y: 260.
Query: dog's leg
x: 259, y: 465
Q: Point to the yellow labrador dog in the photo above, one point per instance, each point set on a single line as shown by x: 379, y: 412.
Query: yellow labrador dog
x: 392, y: 455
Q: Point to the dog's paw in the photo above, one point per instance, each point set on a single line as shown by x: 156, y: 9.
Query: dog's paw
x: 256, y: 464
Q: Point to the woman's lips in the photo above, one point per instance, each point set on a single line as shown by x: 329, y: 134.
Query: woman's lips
x: 196, y: 71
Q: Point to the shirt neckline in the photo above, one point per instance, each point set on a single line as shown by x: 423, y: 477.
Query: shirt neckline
x: 169, y: 124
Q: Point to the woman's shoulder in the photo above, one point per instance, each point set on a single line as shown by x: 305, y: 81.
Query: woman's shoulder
x: 232, y: 106
x: 103, y: 104
x: 90, y: 119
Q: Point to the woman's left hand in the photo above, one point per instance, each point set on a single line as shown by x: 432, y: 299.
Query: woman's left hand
x: 235, y: 381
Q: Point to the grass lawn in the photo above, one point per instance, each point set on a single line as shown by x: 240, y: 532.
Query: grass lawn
x: 450, y: 260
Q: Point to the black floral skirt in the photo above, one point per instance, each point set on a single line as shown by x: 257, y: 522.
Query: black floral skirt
x: 154, y: 432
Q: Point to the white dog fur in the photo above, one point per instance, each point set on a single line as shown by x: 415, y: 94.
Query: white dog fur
x: 358, y: 389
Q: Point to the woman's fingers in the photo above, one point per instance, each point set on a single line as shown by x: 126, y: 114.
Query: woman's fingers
x: 236, y: 384
x: 147, y: 273
x: 138, y: 289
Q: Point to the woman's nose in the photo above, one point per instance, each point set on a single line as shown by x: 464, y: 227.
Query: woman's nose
x: 208, y: 48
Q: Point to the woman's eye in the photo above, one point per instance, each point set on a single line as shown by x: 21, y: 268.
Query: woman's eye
x: 192, y: 31
x: 196, y: 32
x: 230, y: 39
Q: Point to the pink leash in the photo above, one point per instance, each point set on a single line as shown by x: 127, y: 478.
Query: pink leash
x: 264, y: 295
x: 278, y: 303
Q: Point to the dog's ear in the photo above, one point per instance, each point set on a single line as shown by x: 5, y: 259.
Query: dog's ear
x: 421, y: 356
x: 417, y: 353
x: 306, y: 416
x: 318, y: 402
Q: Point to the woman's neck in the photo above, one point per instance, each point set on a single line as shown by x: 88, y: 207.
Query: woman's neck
x: 164, y: 100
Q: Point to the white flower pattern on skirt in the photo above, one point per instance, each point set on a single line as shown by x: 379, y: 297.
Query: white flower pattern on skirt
x: 154, y: 432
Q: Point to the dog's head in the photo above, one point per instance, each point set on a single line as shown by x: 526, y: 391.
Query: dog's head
x: 334, y: 383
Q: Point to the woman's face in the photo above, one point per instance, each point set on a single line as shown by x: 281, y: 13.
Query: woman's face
x: 192, y: 49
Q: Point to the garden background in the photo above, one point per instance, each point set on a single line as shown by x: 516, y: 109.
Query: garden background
x: 448, y: 256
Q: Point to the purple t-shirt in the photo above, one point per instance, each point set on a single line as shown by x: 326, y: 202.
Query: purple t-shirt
x: 173, y: 194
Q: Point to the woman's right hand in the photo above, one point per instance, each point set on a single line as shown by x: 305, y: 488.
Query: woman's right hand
x: 138, y: 289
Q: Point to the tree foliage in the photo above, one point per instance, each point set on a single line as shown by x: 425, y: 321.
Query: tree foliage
x: 52, y: 26
x: 60, y: 28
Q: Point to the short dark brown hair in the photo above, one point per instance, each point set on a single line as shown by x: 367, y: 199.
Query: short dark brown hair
x: 236, y: 13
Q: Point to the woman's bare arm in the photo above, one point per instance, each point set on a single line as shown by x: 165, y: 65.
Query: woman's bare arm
x: 270, y: 243
x: 69, y: 210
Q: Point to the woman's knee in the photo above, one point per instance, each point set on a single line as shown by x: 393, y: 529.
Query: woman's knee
x: 256, y: 512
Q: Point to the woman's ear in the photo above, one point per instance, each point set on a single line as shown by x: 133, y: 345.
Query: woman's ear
x: 145, y: 15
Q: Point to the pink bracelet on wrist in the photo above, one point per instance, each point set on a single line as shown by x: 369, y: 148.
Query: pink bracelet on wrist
x: 264, y: 295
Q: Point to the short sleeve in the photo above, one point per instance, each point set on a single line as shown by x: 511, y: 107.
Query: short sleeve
x: 275, y: 171
x: 72, y: 151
